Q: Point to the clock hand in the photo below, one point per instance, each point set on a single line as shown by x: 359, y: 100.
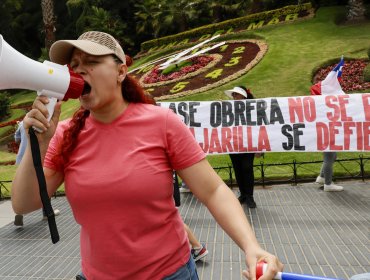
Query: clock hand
x: 151, y: 62
x: 184, y: 52
x: 193, y: 55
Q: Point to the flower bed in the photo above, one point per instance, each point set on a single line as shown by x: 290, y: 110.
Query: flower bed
x: 352, y: 75
x: 155, y: 77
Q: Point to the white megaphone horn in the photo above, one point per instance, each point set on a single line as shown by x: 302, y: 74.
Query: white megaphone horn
x: 55, y: 81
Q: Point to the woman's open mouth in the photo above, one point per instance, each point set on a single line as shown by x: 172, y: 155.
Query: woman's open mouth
x: 86, y: 90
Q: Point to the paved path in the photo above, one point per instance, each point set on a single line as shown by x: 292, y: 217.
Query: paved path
x: 312, y: 231
x: 6, y: 213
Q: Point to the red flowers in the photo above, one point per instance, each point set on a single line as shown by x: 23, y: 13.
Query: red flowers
x: 197, y: 62
x: 352, y: 75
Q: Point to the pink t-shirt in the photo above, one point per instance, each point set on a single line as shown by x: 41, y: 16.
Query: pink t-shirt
x: 118, y: 182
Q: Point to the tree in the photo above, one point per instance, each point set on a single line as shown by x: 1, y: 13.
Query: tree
x: 221, y: 10
x: 19, y: 25
x: 356, y: 10
x: 92, y: 16
x: 167, y: 17
x: 47, y: 7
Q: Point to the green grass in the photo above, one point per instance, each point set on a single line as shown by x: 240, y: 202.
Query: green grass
x: 295, y: 50
x: 6, y: 157
x: 22, y: 98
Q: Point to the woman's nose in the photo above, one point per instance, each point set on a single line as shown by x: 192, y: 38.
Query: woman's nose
x: 79, y: 69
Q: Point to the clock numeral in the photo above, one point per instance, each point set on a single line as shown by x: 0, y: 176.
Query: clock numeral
x: 239, y: 50
x: 223, y: 48
x: 233, y: 61
x: 215, y: 74
x: 179, y: 87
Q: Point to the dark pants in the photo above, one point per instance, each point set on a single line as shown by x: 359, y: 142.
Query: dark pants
x: 243, y: 169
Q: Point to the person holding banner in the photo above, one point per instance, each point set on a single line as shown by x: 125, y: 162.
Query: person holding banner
x: 115, y: 157
x: 243, y: 162
x: 329, y: 86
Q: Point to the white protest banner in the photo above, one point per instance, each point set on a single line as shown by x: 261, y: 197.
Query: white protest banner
x: 284, y: 124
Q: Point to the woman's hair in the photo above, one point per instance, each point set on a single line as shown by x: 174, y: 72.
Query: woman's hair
x: 248, y: 91
x: 131, y: 92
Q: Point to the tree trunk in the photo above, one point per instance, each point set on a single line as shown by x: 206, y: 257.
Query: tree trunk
x: 48, y: 19
x: 356, y: 10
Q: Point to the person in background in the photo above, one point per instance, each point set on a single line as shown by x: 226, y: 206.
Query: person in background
x: 198, y: 250
x: 333, y: 88
x: 20, y: 138
x: 184, y: 188
x: 116, y: 157
x: 326, y: 173
x: 243, y: 162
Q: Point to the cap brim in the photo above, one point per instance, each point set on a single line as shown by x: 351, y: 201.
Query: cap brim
x: 61, y: 51
x: 239, y: 90
x: 229, y: 93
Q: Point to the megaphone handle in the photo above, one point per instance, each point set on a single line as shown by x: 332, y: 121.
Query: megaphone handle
x: 50, y: 106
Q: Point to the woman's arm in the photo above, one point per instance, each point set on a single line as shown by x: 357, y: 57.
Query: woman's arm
x: 25, y: 188
x: 209, y: 188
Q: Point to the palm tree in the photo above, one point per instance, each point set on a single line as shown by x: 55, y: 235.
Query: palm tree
x: 221, y: 10
x: 356, y: 10
x: 165, y: 17
x: 47, y: 7
x: 144, y: 17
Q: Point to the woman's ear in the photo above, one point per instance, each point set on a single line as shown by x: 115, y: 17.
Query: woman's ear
x: 122, y: 72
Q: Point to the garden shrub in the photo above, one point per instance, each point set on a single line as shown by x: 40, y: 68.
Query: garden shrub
x: 367, y: 73
x: 4, y: 105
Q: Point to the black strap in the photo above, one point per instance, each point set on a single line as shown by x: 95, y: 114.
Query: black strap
x: 176, y: 190
x: 48, y: 209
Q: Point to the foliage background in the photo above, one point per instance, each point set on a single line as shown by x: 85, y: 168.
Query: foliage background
x: 131, y: 21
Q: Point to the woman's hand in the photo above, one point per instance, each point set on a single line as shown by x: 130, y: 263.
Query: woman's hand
x: 37, y: 118
x: 260, y: 255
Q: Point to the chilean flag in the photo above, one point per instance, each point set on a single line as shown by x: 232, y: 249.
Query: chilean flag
x: 330, y: 85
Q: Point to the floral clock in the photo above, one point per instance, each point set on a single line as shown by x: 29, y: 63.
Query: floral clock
x: 201, y: 69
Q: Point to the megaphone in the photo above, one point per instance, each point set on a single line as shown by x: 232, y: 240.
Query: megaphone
x: 262, y: 266
x: 53, y: 80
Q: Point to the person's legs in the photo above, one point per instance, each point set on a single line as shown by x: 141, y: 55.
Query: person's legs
x: 44, y: 217
x: 327, y: 172
x: 80, y: 276
x: 198, y: 250
x: 192, y: 239
x: 244, y: 174
x: 327, y: 166
x: 248, y: 174
x: 18, y: 220
x: 236, y: 160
